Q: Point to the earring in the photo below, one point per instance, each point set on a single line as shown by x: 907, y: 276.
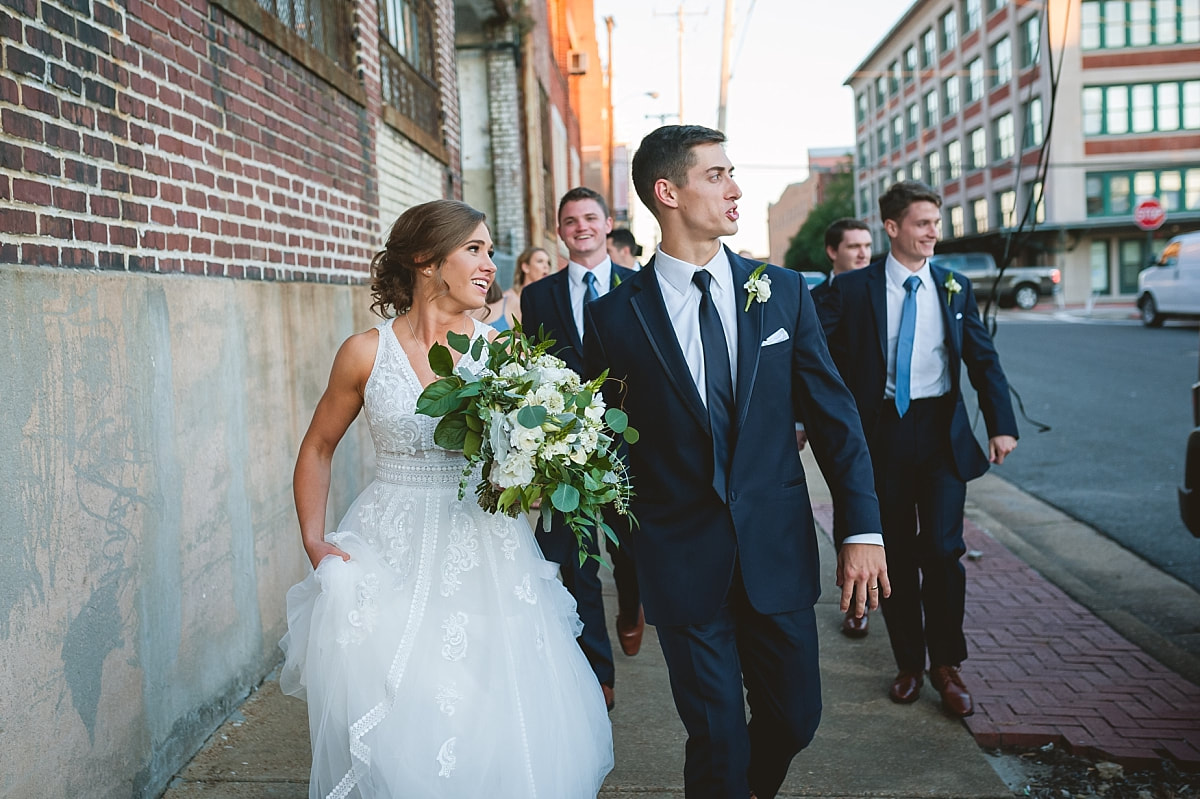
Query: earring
x: 428, y: 272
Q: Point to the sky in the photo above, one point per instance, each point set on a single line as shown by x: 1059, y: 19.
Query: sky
x: 786, y: 94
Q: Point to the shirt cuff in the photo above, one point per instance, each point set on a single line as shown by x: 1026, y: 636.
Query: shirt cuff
x: 864, y: 538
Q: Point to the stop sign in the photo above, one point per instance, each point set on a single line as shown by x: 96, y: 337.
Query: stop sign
x: 1148, y: 214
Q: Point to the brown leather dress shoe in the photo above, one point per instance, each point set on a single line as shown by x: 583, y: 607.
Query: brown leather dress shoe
x: 854, y: 626
x: 955, y: 699
x: 630, y: 635
x: 609, y: 701
x: 906, y: 688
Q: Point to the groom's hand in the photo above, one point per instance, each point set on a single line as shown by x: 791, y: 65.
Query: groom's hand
x: 862, y: 574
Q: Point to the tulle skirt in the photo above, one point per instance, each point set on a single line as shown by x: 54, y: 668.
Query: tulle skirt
x: 441, y: 661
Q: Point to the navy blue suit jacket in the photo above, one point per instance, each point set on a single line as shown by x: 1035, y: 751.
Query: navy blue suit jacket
x: 688, y: 541
x: 546, y: 303
x: 854, y: 316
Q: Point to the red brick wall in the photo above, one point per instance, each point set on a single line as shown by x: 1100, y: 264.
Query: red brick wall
x: 166, y: 136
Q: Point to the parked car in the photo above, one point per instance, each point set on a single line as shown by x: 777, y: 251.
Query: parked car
x: 1021, y: 286
x: 1189, y: 492
x: 814, y: 278
x: 1170, y: 286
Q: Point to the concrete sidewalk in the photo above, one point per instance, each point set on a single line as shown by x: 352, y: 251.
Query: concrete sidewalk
x: 1043, y: 668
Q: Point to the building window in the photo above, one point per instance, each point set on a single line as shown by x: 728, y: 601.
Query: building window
x: 928, y: 48
x: 954, y: 159
x: 1113, y: 193
x: 1099, y: 257
x: 974, y: 80
x: 931, y: 108
x: 996, y: 5
x: 880, y: 91
x: 979, y: 211
x: 972, y: 15
x: 978, y: 143
x: 861, y: 108
x: 950, y: 92
x: 933, y: 168
x: 898, y: 175
x: 864, y: 200
x: 948, y: 24
x: 864, y: 153
x: 881, y: 143
x: 1004, y: 136
x: 1001, y: 57
x: 324, y: 24
x: 910, y: 64
x: 914, y: 120
x: 1006, y: 207
x: 1114, y: 24
x: 1141, y: 108
x: 1036, y: 198
x: 894, y: 77
x: 914, y: 170
x: 1031, y: 113
x: 1031, y: 41
x: 897, y: 132
x: 956, y: 221
x: 408, y: 67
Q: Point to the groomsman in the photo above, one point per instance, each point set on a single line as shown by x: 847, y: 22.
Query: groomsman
x: 713, y: 356
x: 901, y: 330
x: 555, y: 304
x: 623, y: 248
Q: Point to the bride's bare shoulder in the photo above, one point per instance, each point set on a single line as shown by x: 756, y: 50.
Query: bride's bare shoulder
x: 357, y: 353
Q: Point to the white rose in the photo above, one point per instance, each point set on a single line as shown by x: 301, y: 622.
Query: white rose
x: 515, y: 470
x: 525, y: 440
x: 512, y: 369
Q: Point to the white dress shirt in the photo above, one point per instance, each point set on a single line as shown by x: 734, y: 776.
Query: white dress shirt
x: 930, y: 372
x: 578, y: 289
x: 682, y: 299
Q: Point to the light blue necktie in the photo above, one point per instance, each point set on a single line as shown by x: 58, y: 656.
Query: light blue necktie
x: 904, y: 345
x: 590, y: 293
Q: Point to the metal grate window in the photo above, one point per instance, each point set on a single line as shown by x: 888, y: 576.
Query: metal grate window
x: 407, y: 64
x: 325, y: 24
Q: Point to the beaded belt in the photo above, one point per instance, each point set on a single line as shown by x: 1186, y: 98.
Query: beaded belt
x: 410, y: 472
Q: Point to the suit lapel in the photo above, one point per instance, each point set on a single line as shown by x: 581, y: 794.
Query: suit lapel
x: 951, y: 308
x: 877, y: 291
x: 651, y: 312
x: 562, y: 302
x: 750, y: 333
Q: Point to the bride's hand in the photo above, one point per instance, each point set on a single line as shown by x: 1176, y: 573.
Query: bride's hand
x: 320, y: 550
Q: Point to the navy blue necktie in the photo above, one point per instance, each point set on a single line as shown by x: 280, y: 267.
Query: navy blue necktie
x: 590, y: 293
x: 904, y: 345
x: 718, y: 383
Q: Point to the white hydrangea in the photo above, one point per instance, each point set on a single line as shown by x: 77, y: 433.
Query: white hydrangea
x: 515, y: 470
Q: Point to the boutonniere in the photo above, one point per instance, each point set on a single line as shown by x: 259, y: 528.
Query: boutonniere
x: 952, y: 287
x: 758, y: 286
x: 616, y: 279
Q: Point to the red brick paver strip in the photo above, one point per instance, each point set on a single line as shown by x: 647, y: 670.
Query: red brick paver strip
x: 1044, y: 669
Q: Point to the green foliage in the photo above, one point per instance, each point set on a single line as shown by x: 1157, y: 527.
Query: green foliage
x: 806, y: 252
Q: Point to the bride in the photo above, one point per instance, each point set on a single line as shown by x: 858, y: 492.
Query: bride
x: 433, y: 643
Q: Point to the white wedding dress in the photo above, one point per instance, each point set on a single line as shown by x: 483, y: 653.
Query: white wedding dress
x: 440, y: 660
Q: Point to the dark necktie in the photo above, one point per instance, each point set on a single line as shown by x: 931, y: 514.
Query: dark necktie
x: 904, y: 345
x: 718, y: 383
x: 589, y: 292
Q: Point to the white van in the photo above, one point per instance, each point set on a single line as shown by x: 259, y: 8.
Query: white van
x: 1171, y: 285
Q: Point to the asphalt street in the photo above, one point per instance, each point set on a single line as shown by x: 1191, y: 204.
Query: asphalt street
x: 1116, y: 397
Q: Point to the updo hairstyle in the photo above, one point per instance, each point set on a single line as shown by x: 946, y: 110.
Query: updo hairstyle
x: 424, y: 235
x: 519, y: 276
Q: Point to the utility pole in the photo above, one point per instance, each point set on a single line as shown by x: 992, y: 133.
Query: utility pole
x: 608, y: 78
x: 726, y: 38
x: 679, y: 14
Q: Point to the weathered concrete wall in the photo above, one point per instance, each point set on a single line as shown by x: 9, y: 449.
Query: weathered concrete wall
x: 149, y: 427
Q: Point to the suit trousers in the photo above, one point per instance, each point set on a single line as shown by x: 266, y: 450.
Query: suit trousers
x: 775, y: 658
x: 921, y: 500
x: 583, y: 582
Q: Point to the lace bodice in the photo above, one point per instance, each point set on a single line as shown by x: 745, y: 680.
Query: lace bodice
x: 404, y: 448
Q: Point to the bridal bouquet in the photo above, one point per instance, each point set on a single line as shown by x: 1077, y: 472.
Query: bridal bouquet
x: 540, y: 432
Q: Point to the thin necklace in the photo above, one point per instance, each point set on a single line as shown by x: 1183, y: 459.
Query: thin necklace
x: 410, y: 327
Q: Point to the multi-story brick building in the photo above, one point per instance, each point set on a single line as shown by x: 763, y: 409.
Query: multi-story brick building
x: 786, y: 215
x: 1084, y: 104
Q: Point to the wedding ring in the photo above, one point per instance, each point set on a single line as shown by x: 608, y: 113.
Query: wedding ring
x: 873, y: 588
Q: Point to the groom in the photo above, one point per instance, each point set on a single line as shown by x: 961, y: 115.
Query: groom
x: 713, y: 378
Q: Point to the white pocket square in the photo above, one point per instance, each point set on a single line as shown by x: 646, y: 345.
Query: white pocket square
x: 958, y: 316
x: 776, y: 337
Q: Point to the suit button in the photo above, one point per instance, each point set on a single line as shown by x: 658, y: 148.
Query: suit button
x: 733, y: 496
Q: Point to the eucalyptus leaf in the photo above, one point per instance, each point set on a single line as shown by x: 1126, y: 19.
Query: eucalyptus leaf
x: 565, y: 498
x: 631, y: 435
x: 531, y: 416
x: 617, y: 419
x: 477, y: 347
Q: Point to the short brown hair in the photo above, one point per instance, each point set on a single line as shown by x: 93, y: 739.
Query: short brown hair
x: 422, y: 236
x: 667, y: 153
x: 837, y: 230
x: 895, y: 201
x: 582, y: 193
